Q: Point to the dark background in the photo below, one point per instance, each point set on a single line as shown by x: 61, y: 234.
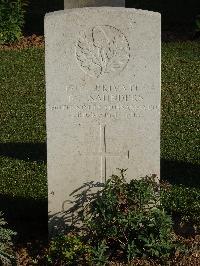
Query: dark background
x: 177, y: 15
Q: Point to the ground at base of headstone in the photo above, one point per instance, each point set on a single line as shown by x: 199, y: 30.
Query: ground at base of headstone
x: 25, y: 42
x: 182, y: 241
x: 24, y: 259
x: 35, y: 254
x: 38, y: 40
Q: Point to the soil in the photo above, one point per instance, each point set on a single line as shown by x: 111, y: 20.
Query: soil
x: 25, y: 42
x: 34, y: 254
x: 38, y: 40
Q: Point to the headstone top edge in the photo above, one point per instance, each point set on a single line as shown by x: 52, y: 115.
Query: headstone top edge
x: 105, y: 8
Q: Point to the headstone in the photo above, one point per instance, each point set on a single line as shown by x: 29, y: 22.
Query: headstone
x: 92, y: 3
x: 103, y: 97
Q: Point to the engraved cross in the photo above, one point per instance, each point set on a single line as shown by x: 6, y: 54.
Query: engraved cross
x: 104, y: 154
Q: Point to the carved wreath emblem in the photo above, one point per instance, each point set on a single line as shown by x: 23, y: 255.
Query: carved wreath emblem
x: 102, y: 50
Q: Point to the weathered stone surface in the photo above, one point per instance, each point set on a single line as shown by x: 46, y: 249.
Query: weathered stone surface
x: 93, y: 3
x: 103, y: 97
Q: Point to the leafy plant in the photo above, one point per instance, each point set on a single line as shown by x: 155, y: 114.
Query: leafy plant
x: 120, y: 222
x: 67, y: 250
x: 99, y: 256
x: 128, y: 220
x: 73, y: 249
x: 129, y: 217
x: 6, y: 254
x: 197, y: 23
x: 11, y: 20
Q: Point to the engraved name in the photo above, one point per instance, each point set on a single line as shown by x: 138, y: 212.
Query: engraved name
x: 108, y: 98
x: 101, y: 101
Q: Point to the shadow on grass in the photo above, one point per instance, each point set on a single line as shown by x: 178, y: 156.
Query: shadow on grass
x: 176, y: 172
x: 25, y: 151
x: 28, y: 217
x: 73, y: 211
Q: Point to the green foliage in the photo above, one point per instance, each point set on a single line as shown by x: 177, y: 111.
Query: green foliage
x: 184, y: 202
x: 6, y: 254
x: 67, y: 249
x: 129, y: 217
x: 121, y: 221
x: 11, y: 20
x: 99, y: 255
x: 74, y: 250
x: 197, y: 24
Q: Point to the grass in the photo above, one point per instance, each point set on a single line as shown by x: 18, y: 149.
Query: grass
x: 22, y: 116
x: 180, y: 113
x: 23, y: 181
x: 180, y: 97
x: 23, y: 176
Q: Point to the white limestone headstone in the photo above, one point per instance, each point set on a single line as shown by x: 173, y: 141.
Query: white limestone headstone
x: 103, y: 97
x: 92, y: 3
